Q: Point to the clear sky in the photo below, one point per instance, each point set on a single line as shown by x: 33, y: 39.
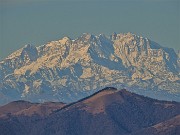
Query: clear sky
x: 39, y: 21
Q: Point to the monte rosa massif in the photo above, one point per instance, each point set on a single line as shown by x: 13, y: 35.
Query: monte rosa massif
x: 67, y: 70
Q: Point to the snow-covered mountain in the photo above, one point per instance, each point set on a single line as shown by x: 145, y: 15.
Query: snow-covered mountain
x: 67, y: 70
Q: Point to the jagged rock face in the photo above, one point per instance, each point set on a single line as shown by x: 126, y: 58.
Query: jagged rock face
x: 150, y: 59
x: 70, y: 68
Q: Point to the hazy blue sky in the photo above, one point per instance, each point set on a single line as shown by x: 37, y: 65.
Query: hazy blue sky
x: 39, y: 21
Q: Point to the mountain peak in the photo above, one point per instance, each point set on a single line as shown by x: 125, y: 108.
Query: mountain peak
x: 28, y: 46
x: 64, y: 40
x: 113, y: 36
x: 88, y: 36
x: 29, y: 53
x: 100, y: 101
x: 29, y: 50
x: 90, y: 63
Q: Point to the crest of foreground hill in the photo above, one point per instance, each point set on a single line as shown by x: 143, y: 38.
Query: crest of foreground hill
x: 26, y: 108
x: 108, y: 112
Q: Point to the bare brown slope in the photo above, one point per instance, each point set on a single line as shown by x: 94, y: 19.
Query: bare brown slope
x: 169, y: 127
x: 26, y: 108
x: 108, y: 112
x: 43, y: 109
x: 14, y: 107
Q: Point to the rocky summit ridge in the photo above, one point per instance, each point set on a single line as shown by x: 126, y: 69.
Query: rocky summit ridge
x: 67, y: 70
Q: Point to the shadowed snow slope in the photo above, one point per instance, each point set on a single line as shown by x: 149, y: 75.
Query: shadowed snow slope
x: 67, y: 70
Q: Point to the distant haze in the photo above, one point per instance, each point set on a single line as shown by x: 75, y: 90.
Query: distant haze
x: 39, y: 21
